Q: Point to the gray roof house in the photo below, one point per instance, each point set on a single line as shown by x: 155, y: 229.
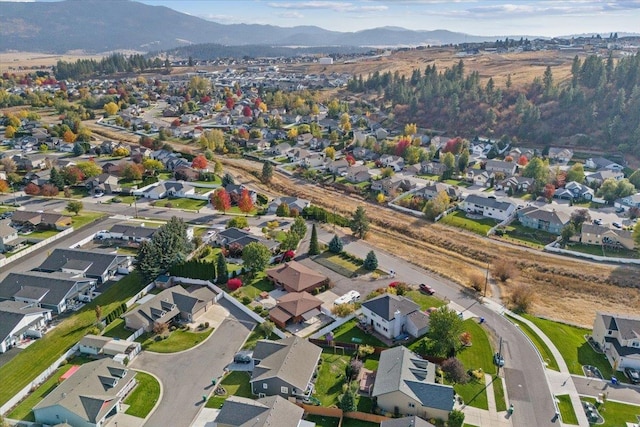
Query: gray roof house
x: 292, y: 202
x: 270, y: 411
x: 406, y: 383
x: 98, y: 265
x: 489, y: 207
x: 574, y: 191
x: 167, y: 189
x: 561, y: 155
x: 626, y: 203
x: 507, y: 168
x: 601, y: 175
x: 619, y: 336
x: 432, y: 189
x: 392, y: 316
x: 286, y: 367
x: 131, y: 232
x: 551, y: 221
x: 105, y: 183
x: 19, y: 320
x: 411, y: 421
x: 55, y: 291
x: 88, y: 397
x: 602, y: 163
x: 8, y: 236
x: 243, y: 238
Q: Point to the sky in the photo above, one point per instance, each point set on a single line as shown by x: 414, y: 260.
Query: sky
x: 478, y: 17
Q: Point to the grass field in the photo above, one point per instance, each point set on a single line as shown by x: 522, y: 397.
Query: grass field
x: 616, y: 414
x: 22, y: 369
x: 178, y: 340
x: 116, y: 329
x: 181, y: 203
x: 474, y: 393
x: 480, y: 354
x: 83, y: 218
x: 567, y: 412
x: 350, y: 333
x: 537, y: 238
x: 236, y: 384
x: 254, y: 337
x: 331, y: 376
x: 43, y: 234
x: 542, y: 347
x: 459, y: 219
x: 425, y: 301
x: 144, y: 396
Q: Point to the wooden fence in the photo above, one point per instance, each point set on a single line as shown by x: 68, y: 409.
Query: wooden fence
x: 338, y: 413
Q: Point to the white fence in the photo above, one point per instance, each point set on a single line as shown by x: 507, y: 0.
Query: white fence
x: 135, y: 335
x: 140, y: 294
x: 83, y: 241
x: 37, y: 381
x: 550, y: 248
x: 331, y: 326
x: 35, y: 247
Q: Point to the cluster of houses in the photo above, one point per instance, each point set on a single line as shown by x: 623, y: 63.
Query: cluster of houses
x: 15, y: 228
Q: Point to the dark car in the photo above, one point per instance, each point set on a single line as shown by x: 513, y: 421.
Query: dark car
x: 498, y: 360
x: 426, y: 289
x: 243, y: 357
x: 633, y: 375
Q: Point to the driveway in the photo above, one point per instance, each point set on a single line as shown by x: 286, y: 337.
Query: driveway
x: 187, y: 376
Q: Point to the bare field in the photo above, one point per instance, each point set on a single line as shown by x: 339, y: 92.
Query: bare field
x: 23, y: 62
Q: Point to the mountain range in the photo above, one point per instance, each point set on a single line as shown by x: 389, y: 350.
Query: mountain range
x: 97, y: 26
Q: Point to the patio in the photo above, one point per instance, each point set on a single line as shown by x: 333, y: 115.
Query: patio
x: 310, y: 326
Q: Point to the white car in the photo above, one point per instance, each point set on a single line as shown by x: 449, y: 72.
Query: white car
x: 98, y: 194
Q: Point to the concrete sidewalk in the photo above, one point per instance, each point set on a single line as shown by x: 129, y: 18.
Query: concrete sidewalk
x: 491, y: 417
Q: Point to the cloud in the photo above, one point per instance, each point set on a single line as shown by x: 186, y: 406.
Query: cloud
x: 291, y: 15
x: 335, y: 6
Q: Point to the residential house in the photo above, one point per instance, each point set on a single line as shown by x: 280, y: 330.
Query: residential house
x: 507, y: 168
x: 626, y: 203
x: 286, y: 367
x: 516, y: 153
x: 292, y: 202
x: 176, y: 163
x: 97, y: 265
x: 19, y: 320
x: 267, y: 411
x: 258, y: 144
x: 599, y: 177
x: 381, y: 134
x: 391, y: 185
x: 593, y: 234
x: 186, y: 173
x: 574, y: 191
x: 515, y: 184
x: 296, y: 154
x: 233, y: 235
x: 8, y: 236
x: 560, y: 155
x: 36, y: 161
x: 41, y: 220
x: 295, y: 307
x: 169, y: 305
x: 319, y: 144
x: 110, y: 168
x: 118, y: 349
x: 313, y: 160
x: 89, y: 397
x: 599, y: 163
x: 165, y: 189
x: 338, y: 167
x: 304, y: 139
x: 132, y: 233
x: 104, y: 183
x: 53, y: 291
x: 293, y: 276
x: 432, y: 189
x: 432, y: 168
x: 619, y: 336
x: 480, y: 177
x: 393, y: 316
x: 411, y: 421
x: 357, y: 174
x: 489, y: 207
x: 361, y: 153
x: 551, y: 221
x: 406, y: 384
x: 280, y: 149
x: 391, y: 161
x: 235, y: 191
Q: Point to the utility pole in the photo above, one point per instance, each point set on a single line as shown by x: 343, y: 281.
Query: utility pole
x: 499, y: 357
x: 486, y: 281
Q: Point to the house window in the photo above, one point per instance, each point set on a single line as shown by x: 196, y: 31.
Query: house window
x: 412, y: 405
x: 636, y: 344
x: 610, y: 332
x: 265, y: 386
x: 284, y: 390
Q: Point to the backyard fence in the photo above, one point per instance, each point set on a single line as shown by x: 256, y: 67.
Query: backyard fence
x: 331, y: 326
x: 35, y: 247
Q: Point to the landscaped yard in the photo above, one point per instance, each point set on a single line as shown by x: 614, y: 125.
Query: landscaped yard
x: 575, y: 349
x: 342, y: 265
x: 144, y: 396
x: 567, y: 412
x: 84, y: 218
x: 181, y: 203
x: 424, y: 301
x: 331, y: 376
x: 254, y: 337
x: 480, y: 354
x: 602, y: 251
x: 536, y: 238
x: 116, y: 329
x: 33, y: 360
x: 350, y: 333
x: 23, y: 410
x: 474, y: 393
x: 203, y: 190
x: 615, y: 414
x: 322, y: 421
x: 542, y: 347
x: 253, y: 289
x: 178, y: 340
x: 459, y: 219
x: 236, y: 384
x: 42, y: 234
x: 125, y: 200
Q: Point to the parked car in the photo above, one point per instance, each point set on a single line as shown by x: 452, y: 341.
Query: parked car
x: 98, y: 194
x: 633, y: 375
x: 498, y: 360
x: 426, y: 289
x: 617, y: 225
x: 597, y: 221
x: 243, y: 357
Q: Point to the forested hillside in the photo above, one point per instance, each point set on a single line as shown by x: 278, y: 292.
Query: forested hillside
x: 599, y: 107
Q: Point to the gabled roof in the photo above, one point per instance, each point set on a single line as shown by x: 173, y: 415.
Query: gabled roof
x: 387, y: 305
x: 402, y: 370
x: 91, y: 392
x: 550, y: 216
x: 298, y: 303
x: 48, y: 288
x: 296, y: 276
x: 628, y: 327
x: 292, y: 360
x: 271, y: 411
x: 12, y: 313
x: 600, y: 230
x: 5, y: 229
x: 487, y: 202
x: 412, y: 421
x: 101, y: 262
x: 133, y: 231
x: 171, y: 302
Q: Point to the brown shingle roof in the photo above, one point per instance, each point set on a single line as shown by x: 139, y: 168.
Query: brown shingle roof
x: 296, y: 276
x: 298, y: 303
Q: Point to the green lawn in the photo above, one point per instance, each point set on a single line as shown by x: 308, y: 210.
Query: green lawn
x: 498, y: 394
x: 331, y: 378
x: 43, y: 234
x: 83, y: 218
x: 165, y: 176
x: 424, y: 301
x: 536, y: 238
x: 127, y: 251
x: 616, y: 414
x: 602, y: 251
x: 350, y: 422
x: 79, y: 192
x: 23, y: 410
x: 542, y: 347
x: 236, y: 210
x: 457, y: 182
x: 479, y: 226
x: 567, y: 412
x: 252, y: 289
x: 575, y: 350
x: 144, y: 396
x: 4, y: 209
x: 342, y: 264
x: 22, y: 369
x: 203, y: 190
x: 480, y: 354
x: 125, y: 200
x: 116, y: 329
x: 474, y: 393
x: 181, y: 203
x: 125, y: 183
x: 236, y: 384
x: 254, y: 337
x: 350, y: 331
x: 322, y: 421
x: 178, y: 340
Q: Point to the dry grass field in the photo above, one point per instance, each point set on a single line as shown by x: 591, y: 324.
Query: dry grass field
x: 26, y: 62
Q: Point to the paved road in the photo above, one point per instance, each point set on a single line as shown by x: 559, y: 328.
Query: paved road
x: 187, y: 376
x: 593, y: 387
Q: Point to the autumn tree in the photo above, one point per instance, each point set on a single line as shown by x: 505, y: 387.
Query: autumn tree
x: 410, y: 129
x: 199, y: 162
x: 49, y: 190
x: 89, y: 168
x: 220, y: 200
x: 8, y: 165
x: 539, y: 171
x: 152, y: 165
x: 4, y: 186
x: 9, y: 132
x: 132, y: 172
x: 283, y: 210
x: 548, y: 191
x: 245, y: 203
x: 522, y: 161
x: 436, y: 205
x: 359, y: 223
x: 121, y: 152
x: 454, y: 369
x: 330, y: 153
x: 32, y: 189
x: 111, y: 108
x: 68, y: 136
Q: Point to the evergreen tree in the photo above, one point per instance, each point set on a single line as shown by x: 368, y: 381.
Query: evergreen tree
x: 168, y: 246
x: 335, y: 245
x: 360, y: 223
x: 147, y: 261
x: 227, y: 179
x: 299, y: 227
x: 371, y: 261
x: 348, y: 401
x: 267, y: 172
x: 78, y: 149
x: 221, y: 267
x: 314, y: 247
x: 56, y: 178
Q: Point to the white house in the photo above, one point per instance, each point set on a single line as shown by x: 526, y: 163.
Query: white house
x: 488, y: 207
x: 19, y: 320
x: 619, y: 336
x: 392, y: 316
x: 390, y: 161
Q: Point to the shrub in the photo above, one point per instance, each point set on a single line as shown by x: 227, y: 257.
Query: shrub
x: 246, y: 300
x: 206, y: 324
x: 342, y: 310
x: 454, y: 369
x: 477, y: 280
x: 503, y: 270
x: 521, y: 298
x: 353, y: 369
x: 234, y: 284
x: 335, y: 245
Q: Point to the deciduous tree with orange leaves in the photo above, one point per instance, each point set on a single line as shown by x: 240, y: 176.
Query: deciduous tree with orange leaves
x: 245, y: 203
x: 199, y: 162
x: 220, y: 200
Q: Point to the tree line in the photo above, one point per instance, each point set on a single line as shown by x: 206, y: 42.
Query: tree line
x: 116, y: 63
